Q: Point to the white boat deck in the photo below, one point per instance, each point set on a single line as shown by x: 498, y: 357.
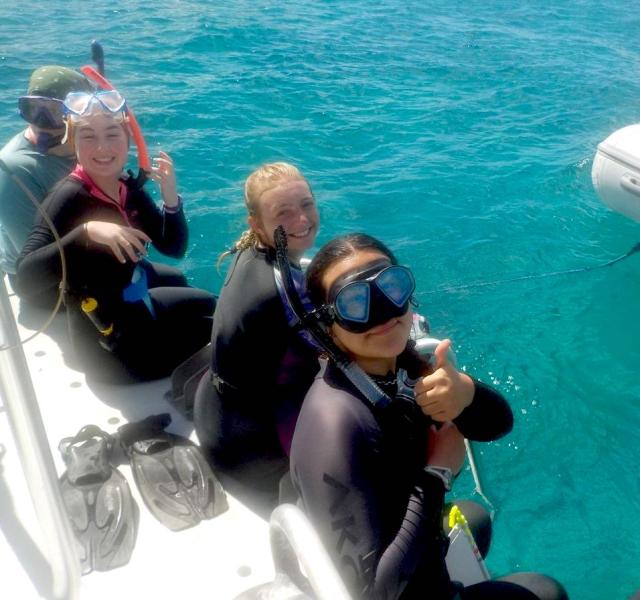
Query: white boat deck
x: 217, y: 559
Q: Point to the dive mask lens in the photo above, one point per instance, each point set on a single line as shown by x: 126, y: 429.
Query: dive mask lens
x: 76, y: 103
x: 352, y: 302
x: 397, y: 284
x: 41, y: 111
x: 112, y: 100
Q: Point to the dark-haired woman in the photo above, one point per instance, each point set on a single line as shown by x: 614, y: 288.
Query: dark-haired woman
x: 372, y: 477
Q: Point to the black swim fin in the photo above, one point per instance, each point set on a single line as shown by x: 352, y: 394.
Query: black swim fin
x: 173, y: 477
x: 103, y: 514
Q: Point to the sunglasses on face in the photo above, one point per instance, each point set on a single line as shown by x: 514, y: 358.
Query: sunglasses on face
x: 78, y: 103
x: 363, y: 300
x: 43, y: 112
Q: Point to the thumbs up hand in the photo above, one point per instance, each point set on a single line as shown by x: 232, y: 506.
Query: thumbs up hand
x: 446, y: 392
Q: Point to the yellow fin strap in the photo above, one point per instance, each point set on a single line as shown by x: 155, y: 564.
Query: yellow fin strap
x: 457, y: 518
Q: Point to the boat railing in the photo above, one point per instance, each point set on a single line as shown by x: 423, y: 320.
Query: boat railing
x: 298, y: 552
x: 19, y: 398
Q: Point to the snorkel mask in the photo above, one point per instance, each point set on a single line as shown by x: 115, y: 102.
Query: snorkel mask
x: 79, y: 104
x: 43, y: 106
x: 368, y: 297
x: 44, y: 113
x: 41, y: 111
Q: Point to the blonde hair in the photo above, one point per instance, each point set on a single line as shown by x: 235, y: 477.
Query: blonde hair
x: 262, y: 179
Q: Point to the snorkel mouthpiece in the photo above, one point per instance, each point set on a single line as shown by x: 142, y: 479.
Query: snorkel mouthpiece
x: 45, y: 141
x: 280, y: 238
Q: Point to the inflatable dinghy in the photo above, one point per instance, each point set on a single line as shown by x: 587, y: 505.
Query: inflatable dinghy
x: 616, y: 171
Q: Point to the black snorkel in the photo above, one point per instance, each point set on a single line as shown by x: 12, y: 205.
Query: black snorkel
x: 97, y: 56
x: 311, y: 322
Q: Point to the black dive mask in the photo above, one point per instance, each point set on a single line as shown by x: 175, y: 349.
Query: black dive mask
x: 371, y: 296
x: 41, y: 111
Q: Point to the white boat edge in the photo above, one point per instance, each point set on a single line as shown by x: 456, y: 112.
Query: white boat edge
x: 219, y: 558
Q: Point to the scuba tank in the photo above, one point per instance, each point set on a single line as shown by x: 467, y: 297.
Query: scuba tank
x: 104, y: 326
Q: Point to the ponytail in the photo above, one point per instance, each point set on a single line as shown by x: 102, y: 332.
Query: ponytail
x: 248, y: 239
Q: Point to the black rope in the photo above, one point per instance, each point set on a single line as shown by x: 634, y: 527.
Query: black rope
x: 63, y: 263
x: 468, y: 286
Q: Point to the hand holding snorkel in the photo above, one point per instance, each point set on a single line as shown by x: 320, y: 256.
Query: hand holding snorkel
x: 446, y: 392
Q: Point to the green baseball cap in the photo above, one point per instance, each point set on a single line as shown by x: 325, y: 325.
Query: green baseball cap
x: 54, y: 81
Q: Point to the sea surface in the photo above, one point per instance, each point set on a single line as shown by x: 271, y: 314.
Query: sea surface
x: 460, y: 133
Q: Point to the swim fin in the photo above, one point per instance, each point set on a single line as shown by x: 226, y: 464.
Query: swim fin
x: 103, y: 514
x: 173, y: 477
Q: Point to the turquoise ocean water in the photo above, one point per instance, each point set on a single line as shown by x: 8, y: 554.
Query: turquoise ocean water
x: 462, y: 134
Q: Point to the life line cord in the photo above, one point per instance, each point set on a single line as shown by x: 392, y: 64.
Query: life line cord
x: 63, y: 263
x: 479, y: 284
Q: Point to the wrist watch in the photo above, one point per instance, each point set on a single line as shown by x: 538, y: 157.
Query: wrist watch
x: 443, y: 473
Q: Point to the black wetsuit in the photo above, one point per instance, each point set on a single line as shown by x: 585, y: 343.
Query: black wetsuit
x: 359, y: 473
x: 247, y: 404
x: 147, y: 347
